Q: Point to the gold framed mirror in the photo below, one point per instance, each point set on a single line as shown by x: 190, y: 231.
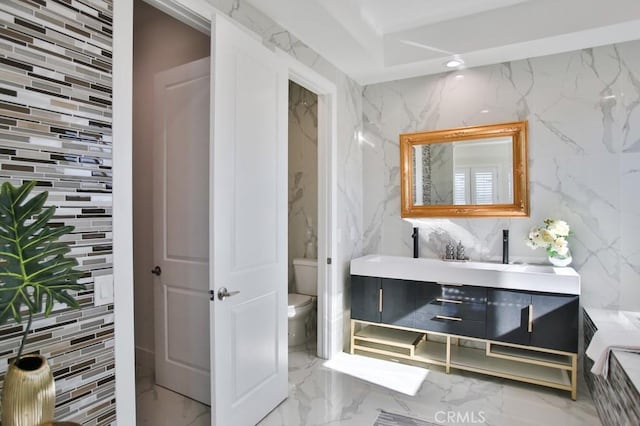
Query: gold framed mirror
x: 477, y: 171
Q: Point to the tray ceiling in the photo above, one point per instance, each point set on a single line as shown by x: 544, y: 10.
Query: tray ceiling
x: 382, y: 40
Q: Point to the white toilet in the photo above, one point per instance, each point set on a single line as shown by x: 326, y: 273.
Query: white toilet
x: 301, y: 303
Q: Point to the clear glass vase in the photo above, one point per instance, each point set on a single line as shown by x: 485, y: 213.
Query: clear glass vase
x: 561, y: 260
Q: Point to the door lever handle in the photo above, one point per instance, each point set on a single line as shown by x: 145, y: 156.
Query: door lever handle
x: 156, y: 271
x: 223, y: 293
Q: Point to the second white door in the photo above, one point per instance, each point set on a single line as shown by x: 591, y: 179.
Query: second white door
x: 181, y: 229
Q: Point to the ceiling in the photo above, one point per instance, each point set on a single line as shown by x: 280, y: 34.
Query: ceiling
x: 382, y: 40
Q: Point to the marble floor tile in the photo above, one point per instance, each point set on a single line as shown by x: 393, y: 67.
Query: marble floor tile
x: 320, y: 396
x: 158, y: 406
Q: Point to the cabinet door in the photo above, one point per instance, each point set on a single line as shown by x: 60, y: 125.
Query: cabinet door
x: 365, y: 298
x: 508, y: 316
x: 555, y: 322
x: 398, y: 302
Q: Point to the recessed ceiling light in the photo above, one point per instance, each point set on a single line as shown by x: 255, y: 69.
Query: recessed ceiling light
x: 454, y: 63
x: 484, y: 111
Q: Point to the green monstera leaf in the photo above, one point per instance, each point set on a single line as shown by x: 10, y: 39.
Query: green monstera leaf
x: 34, y: 271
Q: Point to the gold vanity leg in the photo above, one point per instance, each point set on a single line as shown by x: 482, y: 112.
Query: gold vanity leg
x: 574, y: 376
x: 353, y: 334
x: 448, y: 362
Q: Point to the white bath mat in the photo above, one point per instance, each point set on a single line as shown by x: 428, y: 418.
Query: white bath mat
x: 392, y: 375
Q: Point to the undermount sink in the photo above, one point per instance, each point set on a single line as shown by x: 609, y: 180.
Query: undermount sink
x: 545, y: 278
x: 534, y: 269
x: 510, y: 267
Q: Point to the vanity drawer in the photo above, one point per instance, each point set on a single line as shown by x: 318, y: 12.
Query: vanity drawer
x: 450, y: 325
x: 464, y: 293
x: 452, y: 308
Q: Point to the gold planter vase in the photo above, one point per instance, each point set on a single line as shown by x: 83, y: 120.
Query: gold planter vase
x: 29, y: 393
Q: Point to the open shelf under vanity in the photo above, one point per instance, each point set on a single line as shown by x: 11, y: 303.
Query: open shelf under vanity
x: 555, y: 369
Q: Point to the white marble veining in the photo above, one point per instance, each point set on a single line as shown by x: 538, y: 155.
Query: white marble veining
x: 543, y: 278
x: 158, y: 406
x: 303, y: 175
x: 621, y: 320
x: 441, y: 174
x: 630, y: 246
x: 321, y: 396
x: 583, y: 110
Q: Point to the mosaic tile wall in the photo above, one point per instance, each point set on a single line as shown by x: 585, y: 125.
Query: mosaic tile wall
x: 55, y: 127
x: 616, y: 398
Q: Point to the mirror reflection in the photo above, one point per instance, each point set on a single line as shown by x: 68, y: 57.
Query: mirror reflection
x: 463, y: 172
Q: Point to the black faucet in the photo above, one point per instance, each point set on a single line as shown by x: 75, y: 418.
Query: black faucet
x: 505, y: 246
x: 416, y: 241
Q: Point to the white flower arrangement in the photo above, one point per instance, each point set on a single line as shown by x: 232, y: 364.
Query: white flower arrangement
x: 552, y: 236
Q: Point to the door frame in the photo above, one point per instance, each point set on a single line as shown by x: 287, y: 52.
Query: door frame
x: 329, y: 343
x: 196, y: 13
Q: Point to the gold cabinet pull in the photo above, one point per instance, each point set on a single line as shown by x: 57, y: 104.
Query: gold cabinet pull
x: 453, y: 284
x: 380, y: 300
x: 530, y: 327
x: 448, y: 301
x: 448, y: 318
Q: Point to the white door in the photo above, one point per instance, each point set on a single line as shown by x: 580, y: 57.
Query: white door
x: 249, y: 216
x: 181, y: 225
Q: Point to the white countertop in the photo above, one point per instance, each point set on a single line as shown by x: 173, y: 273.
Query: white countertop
x: 543, y: 278
x: 625, y: 320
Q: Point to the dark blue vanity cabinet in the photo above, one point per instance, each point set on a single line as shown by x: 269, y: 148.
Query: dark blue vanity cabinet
x: 451, y: 309
x: 421, y: 305
x: 365, y: 296
x: 542, y: 320
x: 383, y: 300
x: 518, y: 322
x: 508, y: 316
x: 527, y: 318
x: 398, y: 302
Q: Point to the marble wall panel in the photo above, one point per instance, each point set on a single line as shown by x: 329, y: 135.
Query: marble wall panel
x: 442, y: 174
x: 303, y: 175
x: 630, y: 253
x: 584, y: 130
